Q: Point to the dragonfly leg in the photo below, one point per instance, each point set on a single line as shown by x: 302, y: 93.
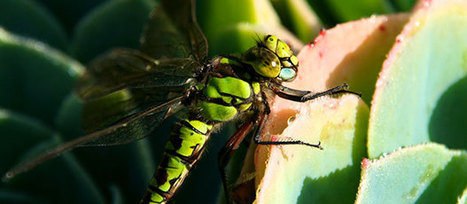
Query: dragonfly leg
x: 303, y: 96
x: 228, y: 150
x: 258, y: 140
x: 336, y: 90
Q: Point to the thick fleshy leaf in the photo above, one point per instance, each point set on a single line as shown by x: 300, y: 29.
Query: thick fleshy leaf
x: 233, y: 26
x: 294, y: 173
x: 231, y: 12
x: 68, y: 119
x: 113, y: 24
x: 427, y: 173
x: 404, y: 5
x: 22, y: 138
x: 243, y: 36
x: 7, y: 196
x: 15, y: 145
x: 463, y: 198
x: 335, y: 11
x: 30, y: 19
x: 134, y: 161
x: 129, y: 167
x: 117, y: 196
x: 420, y: 94
x: 352, y: 53
x: 34, y: 79
x: 70, y: 12
x: 298, y: 17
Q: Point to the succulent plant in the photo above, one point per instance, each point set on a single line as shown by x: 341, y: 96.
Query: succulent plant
x: 403, y: 141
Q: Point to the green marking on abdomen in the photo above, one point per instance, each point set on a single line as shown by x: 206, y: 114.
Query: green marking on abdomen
x: 192, y: 136
x: 189, y: 137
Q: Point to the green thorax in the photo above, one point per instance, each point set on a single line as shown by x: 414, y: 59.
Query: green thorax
x: 227, y: 90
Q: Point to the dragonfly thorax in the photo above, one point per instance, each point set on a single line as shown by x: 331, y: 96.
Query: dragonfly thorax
x: 272, y: 58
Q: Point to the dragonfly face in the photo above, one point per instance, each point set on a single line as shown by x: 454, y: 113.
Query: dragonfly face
x: 272, y: 58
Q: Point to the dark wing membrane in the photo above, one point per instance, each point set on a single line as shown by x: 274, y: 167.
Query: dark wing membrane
x: 127, y: 68
x: 173, y: 31
x: 113, y: 134
x: 117, y: 106
x: 125, y: 83
x: 124, y: 124
x: 121, y: 103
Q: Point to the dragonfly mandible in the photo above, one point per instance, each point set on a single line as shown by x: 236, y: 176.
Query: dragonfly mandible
x: 128, y: 93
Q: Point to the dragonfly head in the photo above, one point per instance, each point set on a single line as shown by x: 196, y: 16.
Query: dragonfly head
x: 272, y: 58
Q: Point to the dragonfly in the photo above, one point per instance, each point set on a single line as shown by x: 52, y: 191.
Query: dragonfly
x: 128, y: 93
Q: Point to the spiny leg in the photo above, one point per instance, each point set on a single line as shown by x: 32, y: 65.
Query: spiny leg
x: 258, y: 140
x: 228, y: 150
x: 303, y: 96
x: 336, y: 90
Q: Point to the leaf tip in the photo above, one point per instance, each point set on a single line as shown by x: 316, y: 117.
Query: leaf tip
x: 365, y: 162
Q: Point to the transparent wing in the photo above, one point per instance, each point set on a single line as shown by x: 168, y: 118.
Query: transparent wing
x: 172, y: 31
x: 107, y: 112
x: 128, y: 68
x: 128, y: 124
x: 126, y: 82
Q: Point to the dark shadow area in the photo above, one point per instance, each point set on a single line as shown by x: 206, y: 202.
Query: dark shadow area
x: 449, y: 184
x: 325, y: 190
x: 359, y: 144
x: 324, y: 11
x: 448, y: 123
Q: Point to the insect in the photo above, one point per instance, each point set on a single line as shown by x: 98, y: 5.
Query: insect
x: 128, y: 93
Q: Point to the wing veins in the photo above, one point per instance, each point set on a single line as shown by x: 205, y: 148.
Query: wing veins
x: 52, y: 153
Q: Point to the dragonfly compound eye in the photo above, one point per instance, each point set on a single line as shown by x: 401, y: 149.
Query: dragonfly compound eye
x: 270, y: 42
x: 279, y: 47
x: 263, y: 61
x: 287, y: 74
x: 283, y: 50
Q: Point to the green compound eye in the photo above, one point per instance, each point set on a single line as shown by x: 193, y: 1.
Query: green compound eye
x: 283, y: 50
x: 287, y: 74
x: 279, y: 47
x: 270, y: 42
x: 263, y: 61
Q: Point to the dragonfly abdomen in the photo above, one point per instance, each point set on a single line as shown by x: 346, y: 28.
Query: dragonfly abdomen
x: 183, y: 149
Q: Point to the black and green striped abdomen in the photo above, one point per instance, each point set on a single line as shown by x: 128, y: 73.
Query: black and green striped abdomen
x: 185, y: 145
x: 221, y: 98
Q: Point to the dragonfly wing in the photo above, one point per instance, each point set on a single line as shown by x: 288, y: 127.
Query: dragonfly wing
x: 107, y: 136
x: 116, y: 107
x: 172, y: 31
x: 127, y: 68
x: 125, y: 83
x: 133, y: 127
